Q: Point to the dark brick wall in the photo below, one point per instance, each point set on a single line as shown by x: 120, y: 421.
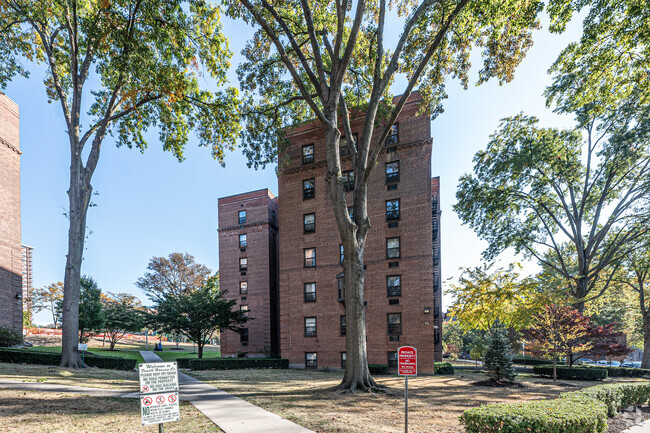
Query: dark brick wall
x: 10, y: 253
x: 415, y: 265
x: 261, y: 251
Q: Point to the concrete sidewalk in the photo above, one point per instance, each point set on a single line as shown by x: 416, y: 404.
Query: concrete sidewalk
x: 230, y: 413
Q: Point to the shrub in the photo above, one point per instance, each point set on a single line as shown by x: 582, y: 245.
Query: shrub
x: 577, y: 373
x: 378, y: 369
x: 9, y: 337
x: 30, y: 356
x: 520, y: 360
x: 542, y: 416
x: 622, y: 371
x: 615, y: 396
x: 443, y: 368
x: 237, y: 363
x: 498, y: 358
x: 184, y: 362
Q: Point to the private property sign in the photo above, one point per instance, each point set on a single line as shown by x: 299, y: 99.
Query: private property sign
x: 407, y: 361
x: 159, y: 392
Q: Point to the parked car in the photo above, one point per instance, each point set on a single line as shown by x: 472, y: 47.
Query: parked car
x: 631, y: 364
x: 609, y: 363
x: 586, y: 361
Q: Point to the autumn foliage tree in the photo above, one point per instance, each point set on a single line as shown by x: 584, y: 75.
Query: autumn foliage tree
x: 485, y: 296
x: 47, y: 299
x: 124, y: 313
x: 558, y: 330
x: 118, y: 69
x: 329, y: 62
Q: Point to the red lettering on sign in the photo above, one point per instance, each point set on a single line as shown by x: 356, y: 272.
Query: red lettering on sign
x: 407, y: 361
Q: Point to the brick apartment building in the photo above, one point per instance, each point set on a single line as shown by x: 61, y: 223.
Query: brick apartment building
x: 10, y: 253
x: 402, y: 259
x: 248, y: 269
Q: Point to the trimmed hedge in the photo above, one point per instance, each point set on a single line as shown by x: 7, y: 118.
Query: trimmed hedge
x: 585, y: 415
x: 184, y: 362
x: 9, y: 337
x: 621, y: 371
x: 236, y: 363
x: 30, y: 356
x: 615, y: 396
x: 443, y: 368
x: 528, y: 361
x: 575, y: 373
x: 378, y: 369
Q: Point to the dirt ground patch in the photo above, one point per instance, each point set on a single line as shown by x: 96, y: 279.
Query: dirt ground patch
x: 40, y: 412
x: 91, y: 377
x: 435, y: 402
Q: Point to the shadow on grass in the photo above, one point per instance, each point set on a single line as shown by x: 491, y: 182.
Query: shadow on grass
x: 66, y: 404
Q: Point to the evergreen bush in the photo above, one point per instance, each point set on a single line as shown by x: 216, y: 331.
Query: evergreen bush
x: 498, y: 358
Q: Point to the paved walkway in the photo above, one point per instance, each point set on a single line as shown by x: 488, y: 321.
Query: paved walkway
x: 641, y: 428
x: 230, y: 413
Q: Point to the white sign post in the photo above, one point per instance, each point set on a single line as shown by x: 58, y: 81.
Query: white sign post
x: 159, y: 393
x: 82, y: 347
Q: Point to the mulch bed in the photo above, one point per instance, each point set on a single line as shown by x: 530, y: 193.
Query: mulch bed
x: 628, y: 419
x: 495, y: 384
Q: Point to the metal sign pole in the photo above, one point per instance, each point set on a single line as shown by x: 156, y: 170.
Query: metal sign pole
x: 160, y: 428
x: 406, y: 404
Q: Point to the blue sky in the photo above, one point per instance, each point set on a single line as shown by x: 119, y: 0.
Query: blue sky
x: 151, y: 205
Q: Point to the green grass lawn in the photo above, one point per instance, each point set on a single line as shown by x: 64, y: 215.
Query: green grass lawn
x: 119, y: 353
x: 172, y: 355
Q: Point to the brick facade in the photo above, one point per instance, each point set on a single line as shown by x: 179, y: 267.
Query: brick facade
x: 260, y: 276
x: 308, y: 319
x: 10, y: 252
x: 415, y: 267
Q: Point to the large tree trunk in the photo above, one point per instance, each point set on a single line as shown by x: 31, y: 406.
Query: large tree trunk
x: 79, y: 198
x: 200, y: 344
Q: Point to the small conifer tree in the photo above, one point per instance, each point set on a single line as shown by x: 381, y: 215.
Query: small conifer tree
x: 498, y: 358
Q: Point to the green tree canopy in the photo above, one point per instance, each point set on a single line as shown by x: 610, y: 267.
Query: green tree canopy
x: 124, y: 313
x: 120, y: 68
x: 91, y: 314
x: 485, y: 297
x: 199, y: 313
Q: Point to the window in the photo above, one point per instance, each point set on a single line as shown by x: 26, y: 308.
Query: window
x: 309, y: 223
x: 310, y: 257
x: 394, y: 285
x: 243, y: 288
x: 348, y: 180
x: 308, y: 189
x: 340, y: 285
x: 243, y: 336
x: 343, y: 358
x: 310, y: 360
x: 393, y: 136
x: 343, y: 145
x: 392, y: 359
x: 392, y: 248
x: 310, y: 292
x: 244, y: 310
x: 308, y: 154
x: 242, y: 217
x: 392, y: 172
x: 310, y: 326
x: 343, y: 325
x: 392, y: 210
x: 242, y: 241
x: 341, y: 254
x: 394, y: 323
x: 243, y: 264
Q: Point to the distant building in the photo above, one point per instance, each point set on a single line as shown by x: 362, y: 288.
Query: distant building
x: 27, y: 275
x: 248, y: 269
x: 283, y: 260
x: 10, y: 253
